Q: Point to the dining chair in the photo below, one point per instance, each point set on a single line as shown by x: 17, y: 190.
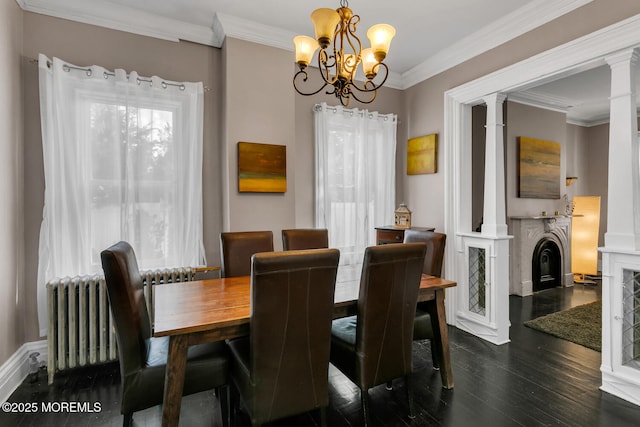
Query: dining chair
x: 374, y: 346
x: 422, y: 325
x: 281, y: 368
x: 305, y: 238
x: 237, y: 247
x: 142, y: 357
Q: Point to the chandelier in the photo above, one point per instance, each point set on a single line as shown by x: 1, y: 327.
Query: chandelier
x: 340, y: 54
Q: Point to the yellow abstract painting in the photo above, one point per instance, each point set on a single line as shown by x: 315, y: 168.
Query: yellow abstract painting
x: 422, y: 155
x: 539, y: 169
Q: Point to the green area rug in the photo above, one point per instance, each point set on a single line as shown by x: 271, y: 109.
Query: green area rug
x: 581, y: 325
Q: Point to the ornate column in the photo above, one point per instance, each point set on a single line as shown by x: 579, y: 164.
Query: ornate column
x: 623, y: 220
x: 483, y: 295
x: 621, y: 255
x: 494, y: 211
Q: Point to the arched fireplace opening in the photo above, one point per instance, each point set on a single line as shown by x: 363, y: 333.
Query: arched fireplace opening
x: 546, y: 265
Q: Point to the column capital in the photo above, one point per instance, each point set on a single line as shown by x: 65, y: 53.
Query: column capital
x: 494, y: 98
x: 623, y: 57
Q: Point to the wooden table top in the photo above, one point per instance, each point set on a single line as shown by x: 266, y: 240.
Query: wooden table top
x: 203, y: 305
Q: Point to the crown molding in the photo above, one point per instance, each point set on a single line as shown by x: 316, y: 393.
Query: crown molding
x: 590, y: 122
x: 237, y: 28
x: 577, y: 55
x: 251, y: 31
x: 545, y: 101
x: 561, y: 105
x: 104, y: 14
x: 518, y: 22
x: 123, y: 18
x: 586, y: 52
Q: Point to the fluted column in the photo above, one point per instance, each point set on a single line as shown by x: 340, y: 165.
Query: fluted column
x: 494, y: 211
x: 623, y: 218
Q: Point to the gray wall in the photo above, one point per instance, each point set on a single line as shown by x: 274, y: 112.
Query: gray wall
x: 523, y: 120
x: 247, y: 99
x: 12, y: 295
x: 257, y: 109
x: 387, y: 101
x: 584, y: 154
x: 82, y: 44
x: 425, y: 101
x: 238, y: 107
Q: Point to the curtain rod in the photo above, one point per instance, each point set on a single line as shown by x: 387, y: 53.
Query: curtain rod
x: 318, y: 107
x: 107, y: 74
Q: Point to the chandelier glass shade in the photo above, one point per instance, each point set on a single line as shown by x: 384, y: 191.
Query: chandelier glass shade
x: 341, y: 54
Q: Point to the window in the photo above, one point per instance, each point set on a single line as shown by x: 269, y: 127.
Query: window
x: 131, y: 179
x: 123, y: 161
x: 355, y: 176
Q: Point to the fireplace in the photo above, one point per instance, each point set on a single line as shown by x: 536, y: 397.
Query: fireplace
x: 540, y: 253
x: 546, y: 268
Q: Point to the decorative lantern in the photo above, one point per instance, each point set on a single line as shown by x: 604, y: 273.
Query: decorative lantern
x: 402, y: 217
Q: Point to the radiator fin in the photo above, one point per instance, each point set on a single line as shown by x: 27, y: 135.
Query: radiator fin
x: 81, y: 330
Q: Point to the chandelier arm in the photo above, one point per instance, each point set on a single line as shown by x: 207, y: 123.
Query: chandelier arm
x: 370, y: 85
x: 350, y: 35
x: 373, y: 96
x: 304, y: 79
x: 351, y: 32
x: 324, y: 66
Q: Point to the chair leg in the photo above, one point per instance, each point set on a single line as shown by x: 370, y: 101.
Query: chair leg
x: 234, y: 403
x: 434, y: 356
x: 127, y: 419
x: 364, y: 396
x: 409, y: 383
x: 323, y: 417
x: 223, y: 398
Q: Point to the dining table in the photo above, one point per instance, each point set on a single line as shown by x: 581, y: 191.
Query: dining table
x: 201, y: 311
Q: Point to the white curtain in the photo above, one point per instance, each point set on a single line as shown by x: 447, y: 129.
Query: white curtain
x: 122, y: 161
x: 355, y: 176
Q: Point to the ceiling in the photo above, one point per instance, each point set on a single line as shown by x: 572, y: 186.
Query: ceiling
x: 431, y: 36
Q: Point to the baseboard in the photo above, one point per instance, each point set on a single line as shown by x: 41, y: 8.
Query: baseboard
x: 15, y: 370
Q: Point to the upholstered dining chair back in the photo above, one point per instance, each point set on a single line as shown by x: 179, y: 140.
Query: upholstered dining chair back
x: 282, y: 368
x: 236, y: 249
x: 374, y: 347
x: 389, y: 288
x: 142, y: 357
x: 305, y: 238
x: 128, y: 305
x: 435, y: 249
x: 423, y: 324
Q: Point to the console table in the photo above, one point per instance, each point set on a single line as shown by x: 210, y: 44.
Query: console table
x: 390, y: 234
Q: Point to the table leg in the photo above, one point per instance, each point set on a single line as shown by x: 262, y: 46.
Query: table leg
x: 174, y: 380
x: 441, y: 338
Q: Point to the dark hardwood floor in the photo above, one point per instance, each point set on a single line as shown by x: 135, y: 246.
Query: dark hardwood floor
x: 536, y: 380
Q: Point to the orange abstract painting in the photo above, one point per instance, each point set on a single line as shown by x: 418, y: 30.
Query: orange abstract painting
x: 422, y: 155
x: 262, y: 168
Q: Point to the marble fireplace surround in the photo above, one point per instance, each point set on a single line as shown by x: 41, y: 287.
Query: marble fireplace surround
x: 527, y: 231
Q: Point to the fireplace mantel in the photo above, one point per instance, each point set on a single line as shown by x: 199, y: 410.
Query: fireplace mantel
x: 527, y: 231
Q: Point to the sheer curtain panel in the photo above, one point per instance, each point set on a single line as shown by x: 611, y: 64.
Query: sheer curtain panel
x: 355, y: 152
x: 122, y: 161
